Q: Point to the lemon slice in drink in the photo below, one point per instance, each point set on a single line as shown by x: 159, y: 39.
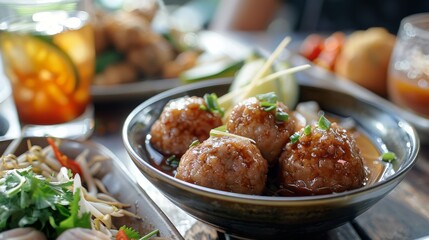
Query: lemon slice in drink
x: 36, y: 58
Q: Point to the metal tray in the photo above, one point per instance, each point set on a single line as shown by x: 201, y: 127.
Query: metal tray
x: 118, y: 182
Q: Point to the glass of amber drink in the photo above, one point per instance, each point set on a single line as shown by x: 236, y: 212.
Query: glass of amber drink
x: 48, y: 57
x: 408, y: 77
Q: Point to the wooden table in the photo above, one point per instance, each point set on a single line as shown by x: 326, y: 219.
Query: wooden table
x: 403, y: 214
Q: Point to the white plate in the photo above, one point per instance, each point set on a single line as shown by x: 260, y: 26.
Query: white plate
x: 211, y: 42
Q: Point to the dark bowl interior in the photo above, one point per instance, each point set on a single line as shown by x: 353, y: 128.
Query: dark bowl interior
x: 270, y: 217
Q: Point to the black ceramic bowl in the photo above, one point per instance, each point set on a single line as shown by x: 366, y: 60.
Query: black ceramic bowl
x: 270, y: 217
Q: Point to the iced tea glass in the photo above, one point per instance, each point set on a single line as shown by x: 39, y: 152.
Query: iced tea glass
x: 408, y: 76
x: 48, y: 57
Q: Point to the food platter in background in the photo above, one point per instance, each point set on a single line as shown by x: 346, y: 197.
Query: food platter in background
x: 214, y: 44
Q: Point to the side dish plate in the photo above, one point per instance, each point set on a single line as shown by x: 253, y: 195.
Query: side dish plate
x: 118, y: 182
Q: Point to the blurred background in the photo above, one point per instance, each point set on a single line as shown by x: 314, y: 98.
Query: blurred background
x: 286, y: 15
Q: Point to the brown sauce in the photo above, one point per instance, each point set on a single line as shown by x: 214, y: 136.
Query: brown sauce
x: 371, y: 157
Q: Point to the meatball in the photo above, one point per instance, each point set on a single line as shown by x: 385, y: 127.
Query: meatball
x: 321, y: 162
x: 250, y: 119
x: 225, y: 163
x: 182, y: 121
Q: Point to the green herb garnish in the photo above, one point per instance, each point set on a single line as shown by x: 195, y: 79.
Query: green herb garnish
x: 194, y: 143
x: 388, y: 157
x: 294, y: 138
x: 30, y: 200
x: 74, y: 221
x: 172, y: 161
x: 130, y: 232
x: 282, y: 116
x: 267, y: 106
x: 267, y: 97
x: 268, y: 101
x: 324, y: 123
x: 212, y: 104
x: 307, y: 130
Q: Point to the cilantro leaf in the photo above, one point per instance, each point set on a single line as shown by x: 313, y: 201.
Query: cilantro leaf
x: 74, y: 221
x: 30, y: 200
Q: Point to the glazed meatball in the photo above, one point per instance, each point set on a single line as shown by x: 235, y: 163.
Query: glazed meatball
x: 321, y: 162
x: 225, y: 163
x: 181, y: 122
x: 249, y: 119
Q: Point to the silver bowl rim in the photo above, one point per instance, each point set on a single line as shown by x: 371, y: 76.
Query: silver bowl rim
x: 256, y: 199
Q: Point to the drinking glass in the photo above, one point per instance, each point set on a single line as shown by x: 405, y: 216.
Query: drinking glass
x: 408, y: 76
x: 48, y: 55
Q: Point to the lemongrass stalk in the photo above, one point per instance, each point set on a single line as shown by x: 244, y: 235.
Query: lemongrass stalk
x: 230, y: 95
x: 271, y: 59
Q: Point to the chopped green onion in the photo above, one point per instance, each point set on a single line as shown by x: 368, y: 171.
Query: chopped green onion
x: 270, y: 97
x: 282, y: 116
x: 269, y: 108
x: 267, y: 104
x: 212, y: 104
x: 307, y: 130
x: 172, y: 161
x: 194, y: 143
x: 324, y: 123
x: 294, y: 138
x: 388, y: 157
x: 268, y: 101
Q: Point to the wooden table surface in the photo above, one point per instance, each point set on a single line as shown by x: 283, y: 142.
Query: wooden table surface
x: 402, y: 214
